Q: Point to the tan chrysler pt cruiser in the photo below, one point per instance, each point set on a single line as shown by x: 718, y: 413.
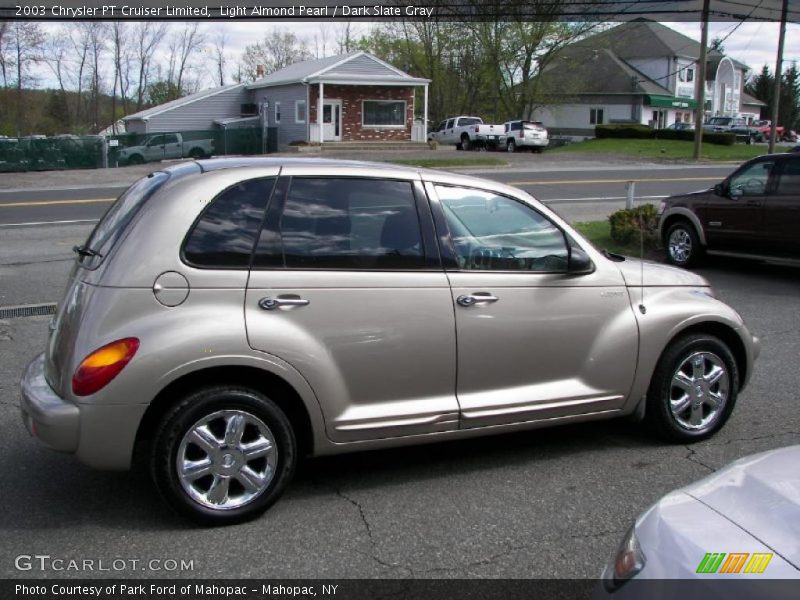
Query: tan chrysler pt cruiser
x: 232, y: 315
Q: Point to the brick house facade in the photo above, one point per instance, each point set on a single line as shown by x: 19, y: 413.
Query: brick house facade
x: 352, y: 98
x: 364, y: 99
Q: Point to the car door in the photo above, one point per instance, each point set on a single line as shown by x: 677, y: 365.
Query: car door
x: 782, y: 209
x: 733, y: 216
x: 172, y: 146
x: 347, y: 287
x: 449, y: 135
x: 154, y: 150
x: 534, y: 342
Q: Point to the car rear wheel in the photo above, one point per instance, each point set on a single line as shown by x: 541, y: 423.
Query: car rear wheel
x: 223, y: 455
x: 682, y: 245
x: 693, y: 390
x: 465, y: 143
x: 197, y: 153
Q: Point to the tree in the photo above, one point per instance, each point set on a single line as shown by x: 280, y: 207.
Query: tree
x: 148, y: 36
x: 26, y: 43
x: 162, y: 91
x: 717, y: 45
x: 789, y: 108
x: 220, y: 58
x: 183, y: 47
x: 279, y: 48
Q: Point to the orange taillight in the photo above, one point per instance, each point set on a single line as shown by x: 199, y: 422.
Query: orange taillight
x: 102, y: 365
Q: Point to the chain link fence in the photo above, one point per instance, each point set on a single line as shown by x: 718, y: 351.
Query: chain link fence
x: 41, y: 153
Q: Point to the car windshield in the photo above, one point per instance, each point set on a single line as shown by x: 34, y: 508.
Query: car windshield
x: 117, y: 219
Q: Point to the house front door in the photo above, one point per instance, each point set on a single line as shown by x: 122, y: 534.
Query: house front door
x: 332, y: 120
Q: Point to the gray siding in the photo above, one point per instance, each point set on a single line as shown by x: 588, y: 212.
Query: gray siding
x: 201, y: 113
x: 361, y: 66
x: 287, y: 95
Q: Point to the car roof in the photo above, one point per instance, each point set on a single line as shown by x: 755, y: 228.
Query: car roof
x: 325, y: 164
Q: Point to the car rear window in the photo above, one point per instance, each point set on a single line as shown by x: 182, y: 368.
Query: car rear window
x: 117, y: 218
x: 469, y: 121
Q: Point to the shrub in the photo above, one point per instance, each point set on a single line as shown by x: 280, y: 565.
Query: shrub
x: 626, y: 224
x: 624, y: 130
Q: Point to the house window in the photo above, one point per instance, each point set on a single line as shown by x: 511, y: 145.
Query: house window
x: 686, y: 75
x: 277, y: 113
x: 596, y: 116
x: 300, y: 111
x: 383, y: 113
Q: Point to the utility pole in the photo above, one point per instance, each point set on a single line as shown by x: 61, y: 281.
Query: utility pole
x: 776, y: 90
x: 701, y: 85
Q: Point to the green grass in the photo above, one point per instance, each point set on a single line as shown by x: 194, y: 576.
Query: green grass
x: 451, y: 162
x: 599, y: 233
x: 664, y: 149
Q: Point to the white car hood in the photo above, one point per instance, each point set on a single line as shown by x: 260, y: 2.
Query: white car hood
x: 761, y: 494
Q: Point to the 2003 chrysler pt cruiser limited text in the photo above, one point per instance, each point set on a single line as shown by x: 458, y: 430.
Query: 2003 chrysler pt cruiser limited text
x: 234, y: 314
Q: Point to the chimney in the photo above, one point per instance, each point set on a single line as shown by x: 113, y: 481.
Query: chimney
x: 259, y: 71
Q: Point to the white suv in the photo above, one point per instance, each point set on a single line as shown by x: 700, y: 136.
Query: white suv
x: 523, y: 134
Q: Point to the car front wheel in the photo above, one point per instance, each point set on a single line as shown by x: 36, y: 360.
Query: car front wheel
x: 223, y: 455
x: 693, y: 390
x: 682, y: 245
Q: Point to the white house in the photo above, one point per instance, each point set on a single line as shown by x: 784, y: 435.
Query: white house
x: 638, y: 72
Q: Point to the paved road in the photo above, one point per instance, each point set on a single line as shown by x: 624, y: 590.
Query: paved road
x: 564, y: 189
x: 548, y: 503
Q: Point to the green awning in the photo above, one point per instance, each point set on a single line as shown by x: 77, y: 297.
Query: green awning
x: 670, y: 102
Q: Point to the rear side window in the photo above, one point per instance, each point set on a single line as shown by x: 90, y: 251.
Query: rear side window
x: 118, y: 217
x: 789, y: 183
x: 224, y: 235
x: 339, y: 223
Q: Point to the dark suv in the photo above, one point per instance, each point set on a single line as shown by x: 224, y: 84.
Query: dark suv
x: 755, y: 212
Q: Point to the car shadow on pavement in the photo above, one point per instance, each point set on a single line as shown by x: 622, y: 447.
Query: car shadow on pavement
x: 54, y: 492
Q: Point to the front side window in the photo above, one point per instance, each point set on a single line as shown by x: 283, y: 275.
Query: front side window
x: 450, y: 123
x: 224, y: 235
x: 752, y: 180
x: 383, y: 113
x: 497, y: 233
x: 345, y: 223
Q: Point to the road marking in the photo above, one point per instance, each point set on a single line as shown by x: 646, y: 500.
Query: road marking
x: 593, y: 181
x: 596, y: 198
x: 48, y: 223
x: 56, y: 202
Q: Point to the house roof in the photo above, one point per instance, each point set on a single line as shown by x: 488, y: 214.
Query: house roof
x: 354, y: 67
x: 144, y: 115
x: 589, y: 71
x: 643, y: 38
x: 751, y: 100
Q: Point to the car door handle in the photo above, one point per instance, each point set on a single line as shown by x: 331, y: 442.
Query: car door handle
x: 476, y: 298
x: 268, y: 303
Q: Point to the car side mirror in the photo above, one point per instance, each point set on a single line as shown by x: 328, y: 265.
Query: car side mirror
x: 579, y: 261
x: 719, y: 189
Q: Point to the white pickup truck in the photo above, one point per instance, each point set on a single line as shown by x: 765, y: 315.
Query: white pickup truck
x: 466, y: 133
x: 163, y: 146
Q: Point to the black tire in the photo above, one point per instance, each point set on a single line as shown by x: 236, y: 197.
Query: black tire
x: 682, y: 245
x: 458, y: 147
x: 466, y: 145
x: 511, y: 146
x: 197, y: 153
x: 660, y: 414
x: 136, y: 159
x: 206, y: 403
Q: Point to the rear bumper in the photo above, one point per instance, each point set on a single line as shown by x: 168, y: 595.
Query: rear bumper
x: 46, y: 415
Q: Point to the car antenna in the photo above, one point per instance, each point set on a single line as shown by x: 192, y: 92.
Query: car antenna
x: 642, y: 308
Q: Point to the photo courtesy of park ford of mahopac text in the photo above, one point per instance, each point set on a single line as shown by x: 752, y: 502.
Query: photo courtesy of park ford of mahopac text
x: 408, y: 299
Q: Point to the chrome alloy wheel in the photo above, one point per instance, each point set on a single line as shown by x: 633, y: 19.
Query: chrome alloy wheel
x: 680, y: 245
x: 227, y: 459
x: 699, y: 391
